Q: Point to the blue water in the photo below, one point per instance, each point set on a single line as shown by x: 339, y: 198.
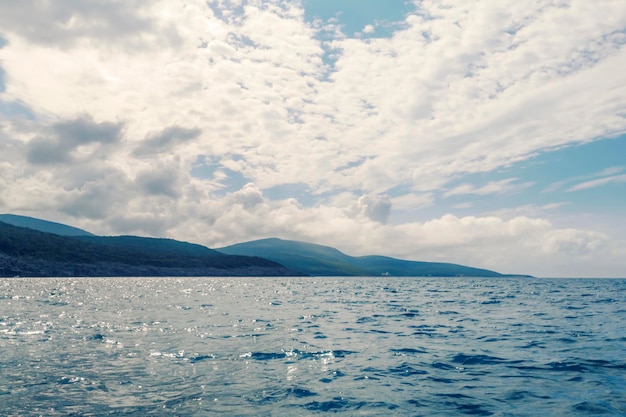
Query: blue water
x: 310, y: 346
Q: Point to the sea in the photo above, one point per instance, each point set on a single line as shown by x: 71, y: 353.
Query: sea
x: 372, y: 346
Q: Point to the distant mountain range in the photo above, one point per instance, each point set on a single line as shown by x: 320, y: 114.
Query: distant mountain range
x: 28, y: 252
x: 43, y: 225
x: 312, y: 259
x: 35, y: 247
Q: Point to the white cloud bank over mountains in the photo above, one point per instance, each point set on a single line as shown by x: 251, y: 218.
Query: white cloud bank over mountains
x: 107, y: 106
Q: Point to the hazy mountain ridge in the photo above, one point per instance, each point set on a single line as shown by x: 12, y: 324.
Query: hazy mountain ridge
x: 28, y: 252
x: 32, y: 250
x: 43, y: 225
x: 313, y: 259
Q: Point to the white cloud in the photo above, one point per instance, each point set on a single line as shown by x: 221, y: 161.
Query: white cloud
x: 374, y: 207
x: 67, y: 22
x: 249, y: 196
x: 530, y: 210
x: 369, y: 29
x: 615, y: 179
x: 412, y: 201
x: 470, y: 98
x: 573, y: 242
x: 493, y: 187
x: 588, y: 181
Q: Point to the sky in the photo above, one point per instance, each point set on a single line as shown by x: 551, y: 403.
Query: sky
x: 484, y: 133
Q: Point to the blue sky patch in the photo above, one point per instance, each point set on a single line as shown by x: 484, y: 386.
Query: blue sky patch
x: 3, y: 43
x: 16, y: 110
x: 2, y: 84
x: 379, y: 17
x: 299, y: 191
x: 210, y: 168
x: 586, y: 176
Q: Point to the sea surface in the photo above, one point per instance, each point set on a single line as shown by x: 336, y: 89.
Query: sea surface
x: 311, y: 346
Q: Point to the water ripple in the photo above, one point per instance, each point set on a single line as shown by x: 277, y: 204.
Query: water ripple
x: 308, y: 346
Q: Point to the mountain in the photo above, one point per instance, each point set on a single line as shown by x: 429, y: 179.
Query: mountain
x: 43, y: 225
x: 154, y: 246
x: 35, y: 247
x: 312, y: 259
x: 378, y: 265
x: 28, y: 252
x: 308, y: 258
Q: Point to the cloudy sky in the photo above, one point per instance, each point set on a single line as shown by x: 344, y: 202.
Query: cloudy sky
x: 486, y: 133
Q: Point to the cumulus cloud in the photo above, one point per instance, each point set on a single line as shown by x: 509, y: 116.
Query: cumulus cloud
x: 573, y: 242
x: 369, y: 29
x: 249, y: 196
x: 66, y: 22
x: 515, y: 245
x: 374, y: 207
x: 422, y: 102
x: 94, y: 201
x: 65, y: 139
x: 160, y: 182
x: 165, y: 140
x: 413, y: 201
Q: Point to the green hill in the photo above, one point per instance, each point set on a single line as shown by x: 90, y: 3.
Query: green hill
x: 28, y: 252
x: 312, y: 259
x: 308, y: 258
x: 35, y: 247
x: 378, y: 265
x: 43, y: 225
x: 154, y: 246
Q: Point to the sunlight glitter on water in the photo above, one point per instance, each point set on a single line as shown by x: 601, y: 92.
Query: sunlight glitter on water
x: 305, y: 346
